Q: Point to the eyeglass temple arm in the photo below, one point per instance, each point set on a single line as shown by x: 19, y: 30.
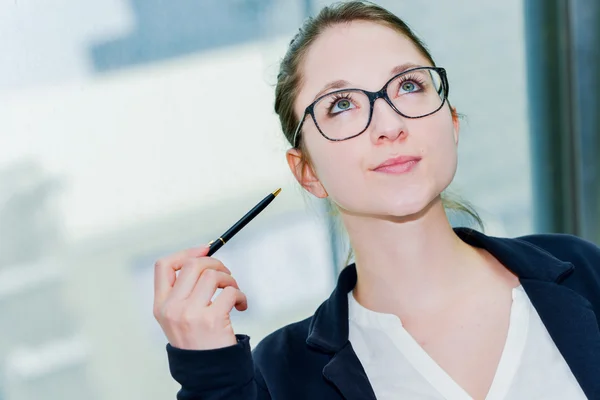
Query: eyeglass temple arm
x: 294, y: 141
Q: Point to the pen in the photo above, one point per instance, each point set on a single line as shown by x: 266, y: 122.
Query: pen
x: 224, y: 238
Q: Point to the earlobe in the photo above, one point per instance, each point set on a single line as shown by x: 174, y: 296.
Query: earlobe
x: 305, y: 174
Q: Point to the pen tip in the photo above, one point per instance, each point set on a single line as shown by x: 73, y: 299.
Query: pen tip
x: 275, y: 193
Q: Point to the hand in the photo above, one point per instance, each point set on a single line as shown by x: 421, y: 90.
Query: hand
x: 182, y: 303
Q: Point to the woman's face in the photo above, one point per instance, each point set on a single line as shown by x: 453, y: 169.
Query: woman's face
x: 365, y: 54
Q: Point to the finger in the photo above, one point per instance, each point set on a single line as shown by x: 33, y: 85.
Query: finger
x: 165, y: 270
x: 191, y: 272
x: 230, y: 297
x: 207, y: 285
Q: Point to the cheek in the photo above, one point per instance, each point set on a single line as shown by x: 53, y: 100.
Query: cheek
x: 442, y: 152
x: 337, y: 165
x: 334, y: 165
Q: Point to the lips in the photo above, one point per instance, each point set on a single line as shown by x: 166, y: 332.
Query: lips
x: 398, y: 164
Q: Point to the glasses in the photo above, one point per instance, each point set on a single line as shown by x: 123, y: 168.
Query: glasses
x: 346, y: 113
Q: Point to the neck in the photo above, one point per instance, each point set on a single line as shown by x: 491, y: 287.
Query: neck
x: 411, y: 265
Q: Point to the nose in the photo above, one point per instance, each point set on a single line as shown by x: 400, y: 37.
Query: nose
x: 386, y: 123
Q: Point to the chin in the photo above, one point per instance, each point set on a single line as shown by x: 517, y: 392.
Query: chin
x: 407, y: 211
x: 394, y: 203
x: 413, y: 206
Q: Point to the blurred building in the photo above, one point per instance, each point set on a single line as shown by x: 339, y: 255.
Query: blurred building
x: 42, y: 351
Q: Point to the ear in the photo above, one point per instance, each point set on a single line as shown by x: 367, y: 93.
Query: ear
x: 456, y: 123
x: 304, y: 173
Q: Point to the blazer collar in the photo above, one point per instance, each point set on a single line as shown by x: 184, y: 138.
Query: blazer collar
x: 328, y: 330
x: 524, y: 259
x: 568, y: 316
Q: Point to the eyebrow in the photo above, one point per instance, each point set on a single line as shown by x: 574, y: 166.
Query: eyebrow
x: 341, y: 83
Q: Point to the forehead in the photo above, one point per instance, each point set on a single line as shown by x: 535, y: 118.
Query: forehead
x: 362, y: 53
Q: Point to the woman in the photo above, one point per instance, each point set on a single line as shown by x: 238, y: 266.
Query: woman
x: 426, y: 311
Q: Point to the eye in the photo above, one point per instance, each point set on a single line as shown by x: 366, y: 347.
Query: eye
x: 341, y: 105
x: 408, y: 87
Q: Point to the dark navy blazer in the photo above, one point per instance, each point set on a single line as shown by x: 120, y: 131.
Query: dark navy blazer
x: 313, y: 359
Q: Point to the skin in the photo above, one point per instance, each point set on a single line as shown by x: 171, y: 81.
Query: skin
x: 393, y: 220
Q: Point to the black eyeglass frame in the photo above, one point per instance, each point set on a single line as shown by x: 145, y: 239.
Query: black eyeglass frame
x: 373, y: 96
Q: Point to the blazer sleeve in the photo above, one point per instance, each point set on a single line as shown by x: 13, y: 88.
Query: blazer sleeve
x: 227, y: 373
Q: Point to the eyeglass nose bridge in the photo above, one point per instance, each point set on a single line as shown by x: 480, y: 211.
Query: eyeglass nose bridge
x: 381, y: 94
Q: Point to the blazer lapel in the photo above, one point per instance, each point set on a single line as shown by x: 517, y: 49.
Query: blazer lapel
x: 328, y: 333
x: 573, y: 326
x: 346, y: 373
x: 568, y: 317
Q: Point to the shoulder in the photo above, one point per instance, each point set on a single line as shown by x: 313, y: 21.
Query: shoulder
x: 579, y: 252
x: 289, y: 339
x: 286, y: 339
x: 287, y: 350
x: 583, y: 255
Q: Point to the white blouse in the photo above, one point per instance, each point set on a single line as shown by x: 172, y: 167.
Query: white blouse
x: 531, y: 367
